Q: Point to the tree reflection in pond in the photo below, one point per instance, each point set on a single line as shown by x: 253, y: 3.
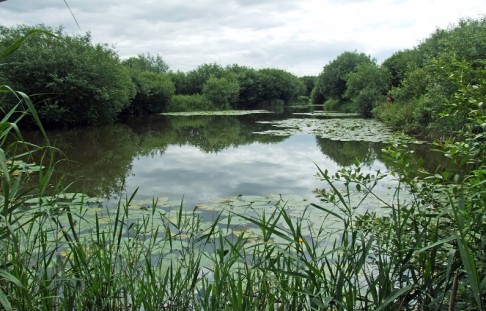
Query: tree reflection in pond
x: 202, y: 157
x: 346, y: 153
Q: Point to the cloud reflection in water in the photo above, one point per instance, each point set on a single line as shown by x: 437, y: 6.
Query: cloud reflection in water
x: 256, y: 169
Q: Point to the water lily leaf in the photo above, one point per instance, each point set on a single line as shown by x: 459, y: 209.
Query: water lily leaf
x: 216, y: 113
x: 344, y: 129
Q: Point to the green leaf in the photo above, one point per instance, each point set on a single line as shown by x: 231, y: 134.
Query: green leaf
x: 394, y: 296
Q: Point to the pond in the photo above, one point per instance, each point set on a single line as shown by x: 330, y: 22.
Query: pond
x: 205, y: 157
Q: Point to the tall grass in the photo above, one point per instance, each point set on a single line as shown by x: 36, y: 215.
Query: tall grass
x: 64, y: 254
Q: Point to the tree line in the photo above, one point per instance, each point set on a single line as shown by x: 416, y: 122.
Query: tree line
x: 76, y: 82
x: 415, y: 81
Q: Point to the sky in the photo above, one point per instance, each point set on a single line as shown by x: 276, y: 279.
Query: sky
x: 299, y: 36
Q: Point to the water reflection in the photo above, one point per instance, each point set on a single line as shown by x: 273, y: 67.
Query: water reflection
x: 201, y: 158
x: 256, y: 169
x: 346, y: 153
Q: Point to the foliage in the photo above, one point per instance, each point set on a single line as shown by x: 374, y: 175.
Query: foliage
x: 331, y: 104
x: 366, y: 86
x: 153, y: 95
x: 465, y: 41
x: 15, y: 168
x: 398, y: 64
x: 179, y: 80
x: 147, y: 62
x: 331, y: 82
x: 426, y: 251
x: 431, y: 245
x: 455, y: 203
x: 256, y: 88
x: 195, y: 79
x: 72, y: 81
x: 424, y: 88
x: 366, y: 100
x: 251, y: 87
x: 279, y: 85
x: 189, y: 103
x: 468, y: 197
x: 309, y: 83
x: 221, y: 92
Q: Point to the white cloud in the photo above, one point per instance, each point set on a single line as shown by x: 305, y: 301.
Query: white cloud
x: 299, y: 36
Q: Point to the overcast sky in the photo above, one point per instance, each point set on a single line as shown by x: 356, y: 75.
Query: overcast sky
x: 299, y: 36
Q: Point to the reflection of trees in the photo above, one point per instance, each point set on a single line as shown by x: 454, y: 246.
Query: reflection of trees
x: 347, y: 153
x: 97, y: 159
x: 154, y: 135
x: 424, y: 157
x: 216, y: 133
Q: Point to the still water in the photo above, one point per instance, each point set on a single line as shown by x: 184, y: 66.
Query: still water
x: 205, y: 157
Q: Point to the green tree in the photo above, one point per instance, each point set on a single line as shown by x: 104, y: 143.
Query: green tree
x: 222, y: 92
x: 280, y: 85
x: 71, y: 80
x: 309, y: 83
x: 421, y: 89
x: 196, y: 79
x: 251, y: 86
x: 331, y: 82
x: 180, y: 81
x: 147, y: 62
x: 154, y: 92
x: 398, y: 64
x: 366, y: 86
x: 466, y: 41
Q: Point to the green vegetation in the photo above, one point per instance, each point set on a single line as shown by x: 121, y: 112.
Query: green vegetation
x: 221, y: 92
x: 154, y: 93
x: 194, y: 102
x: 421, y: 85
x: 74, y: 82
x: 365, y: 87
x: 234, y: 87
x: 415, y: 80
x: 331, y: 83
x: 71, y: 81
x: 422, y: 248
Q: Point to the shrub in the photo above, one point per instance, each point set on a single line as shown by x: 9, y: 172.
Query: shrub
x: 331, y: 104
x: 195, y: 102
x: 154, y: 92
x: 71, y: 80
x: 365, y: 101
x: 221, y: 92
x: 331, y: 82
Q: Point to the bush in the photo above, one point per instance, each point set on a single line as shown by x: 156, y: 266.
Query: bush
x: 331, y: 104
x: 154, y: 92
x: 195, y: 102
x: 397, y: 115
x: 365, y: 101
x: 71, y: 80
x: 331, y: 82
x: 221, y: 92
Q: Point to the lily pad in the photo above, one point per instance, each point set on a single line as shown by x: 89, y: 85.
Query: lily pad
x: 335, y: 129
x: 216, y: 113
x: 328, y: 114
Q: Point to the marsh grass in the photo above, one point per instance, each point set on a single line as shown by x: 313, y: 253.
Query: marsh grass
x: 64, y: 253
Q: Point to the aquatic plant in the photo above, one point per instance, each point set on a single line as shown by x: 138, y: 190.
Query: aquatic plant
x: 420, y: 248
